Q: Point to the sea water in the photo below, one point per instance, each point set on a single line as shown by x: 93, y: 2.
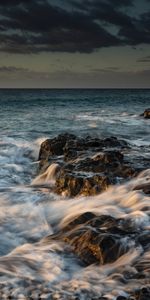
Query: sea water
x: 29, y: 264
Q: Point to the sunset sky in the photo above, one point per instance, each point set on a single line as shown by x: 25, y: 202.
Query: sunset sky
x: 75, y: 43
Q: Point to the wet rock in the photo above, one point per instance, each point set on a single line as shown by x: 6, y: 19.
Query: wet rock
x: 144, y: 240
x: 68, y: 145
x: 93, y: 247
x: 144, y: 187
x: 54, y: 146
x: 142, y: 294
x: 146, y: 113
x: 88, y: 165
x: 108, y: 156
x: 94, y: 239
x: 71, y: 184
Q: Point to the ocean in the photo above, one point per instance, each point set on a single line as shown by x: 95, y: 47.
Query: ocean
x: 30, y: 266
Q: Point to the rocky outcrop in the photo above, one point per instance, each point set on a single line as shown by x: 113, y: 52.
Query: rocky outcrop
x: 87, y: 165
x: 95, y: 239
x: 71, y: 184
x: 101, y: 239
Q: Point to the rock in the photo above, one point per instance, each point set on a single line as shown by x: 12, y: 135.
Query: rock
x: 145, y: 187
x: 54, y: 146
x: 94, y: 239
x: 146, y: 113
x: 72, y: 184
x: 144, y: 240
x: 87, y: 165
x: 141, y: 294
x: 66, y: 144
x: 108, y: 156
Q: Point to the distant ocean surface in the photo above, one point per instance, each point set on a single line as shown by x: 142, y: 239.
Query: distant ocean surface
x: 28, y: 117
x: 31, y: 114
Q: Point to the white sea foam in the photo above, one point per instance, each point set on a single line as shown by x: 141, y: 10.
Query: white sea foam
x: 29, y: 214
x: 48, y: 176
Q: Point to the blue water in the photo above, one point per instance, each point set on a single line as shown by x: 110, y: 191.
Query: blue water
x: 28, y: 214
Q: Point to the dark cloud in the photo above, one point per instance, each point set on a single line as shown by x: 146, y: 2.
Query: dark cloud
x: 33, y: 26
x: 12, y: 2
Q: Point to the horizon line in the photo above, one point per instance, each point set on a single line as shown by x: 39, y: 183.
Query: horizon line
x: 75, y: 88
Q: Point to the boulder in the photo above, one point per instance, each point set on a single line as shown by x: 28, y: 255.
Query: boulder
x: 95, y: 239
x: 87, y: 165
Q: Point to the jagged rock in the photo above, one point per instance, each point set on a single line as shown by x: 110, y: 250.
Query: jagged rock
x: 88, y: 165
x: 54, y: 146
x: 108, y: 156
x: 72, y: 184
x: 95, y: 239
x: 66, y: 144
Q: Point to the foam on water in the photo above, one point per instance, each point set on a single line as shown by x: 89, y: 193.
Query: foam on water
x: 30, y: 212
x: 29, y: 215
x: 48, y: 176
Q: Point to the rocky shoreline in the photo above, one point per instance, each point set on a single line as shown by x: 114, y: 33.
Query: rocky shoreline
x: 85, y: 167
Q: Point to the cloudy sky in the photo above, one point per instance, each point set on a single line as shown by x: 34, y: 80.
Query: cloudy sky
x: 75, y: 43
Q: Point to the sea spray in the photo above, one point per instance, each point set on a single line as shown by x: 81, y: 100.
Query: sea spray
x: 48, y: 176
x: 49, y: 262
x: 33, y: 264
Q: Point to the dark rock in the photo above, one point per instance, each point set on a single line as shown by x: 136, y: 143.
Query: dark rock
x: 91, y: 239
x: 82, y: 219
x: 144, y: 240
x: 114, y: 142
x: 88, y: 165
x: 54, y: 146
x: 94, y: 247
x: 108, y: 156
x: 68, y: 184
x: 144, y: 187
x: 142, y: 294
x: 72, y: 184
x: 147, y: 113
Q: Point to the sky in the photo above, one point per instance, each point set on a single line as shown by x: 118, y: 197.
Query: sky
x: 74, y: 43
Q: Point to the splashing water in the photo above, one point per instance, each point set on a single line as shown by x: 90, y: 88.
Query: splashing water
x: 32, y: 263
x: 48, y: 176
x: 29, y: 214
